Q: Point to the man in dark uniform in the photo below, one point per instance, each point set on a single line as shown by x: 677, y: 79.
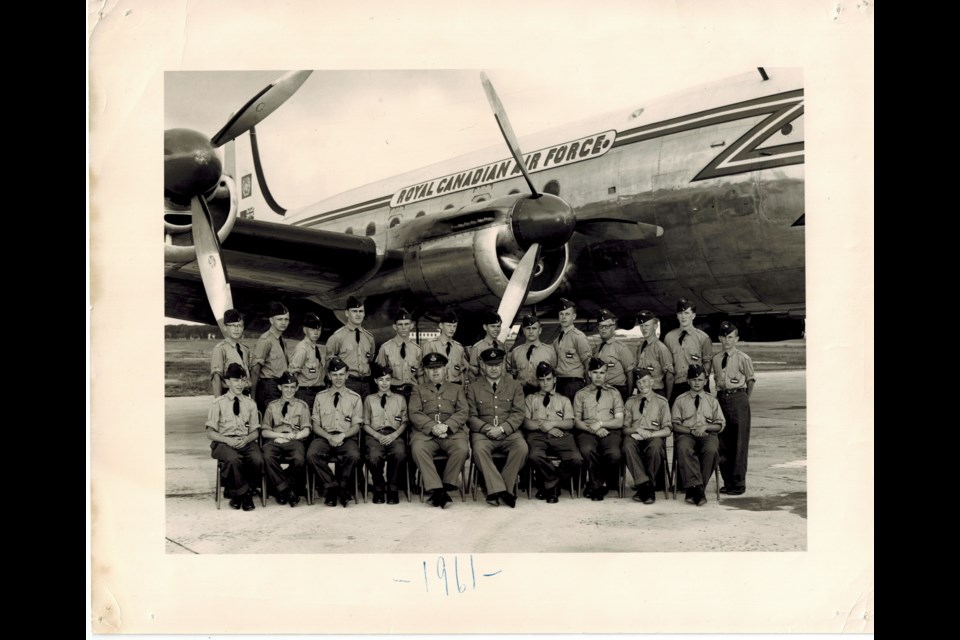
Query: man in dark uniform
x: 270, y: 357
x: 456, y: 355
x: 573, y: 352
x: 619, y: 358
x: 688, y: 345
x: 495, y: 402
x: 438, y: 412
x: 402, y: 356
x: 697, y: 421
x: 309, y: 363
x: 354, y: 345
x: 598, y: 415
x: 733, y: 373
x: 525, y: 358
x: 384, y: 421
x: 286, y: 424
x: 653, y: 355
x: 337, y: 416
x: 646, y: 422
x: 228, y: 351
x: 548, y: 423
x: 491, y: 326
x: 232, y: 427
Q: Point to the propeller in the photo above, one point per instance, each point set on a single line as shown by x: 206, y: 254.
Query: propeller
x: 517, y: 289
x: 508, y: 135
x: 260, y: 106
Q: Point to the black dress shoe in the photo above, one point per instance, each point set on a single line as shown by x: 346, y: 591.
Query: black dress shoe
x: 236, y: 502
x: 444, y: 500
x: 292, y: 498
x: 739, y: 491
x: 508, y: 499
x: 541, y: 494
x: 554, y: 496
x: 393, y: 497
x: 691, y: 496
x: 597, y: 497
x: 724, y: 490
x: 248, y: 502
x: 378, y: 497
x: 650, y: 498
x: 493, y: 499
x: 588, y: 493
x: 345, y: 498
x: 638, y: 496
x: 701, y: 498
x: 330, y: 498
x: 281, y: 498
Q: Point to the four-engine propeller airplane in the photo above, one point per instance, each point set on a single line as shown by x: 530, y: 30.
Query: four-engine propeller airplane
x: 699, y: 196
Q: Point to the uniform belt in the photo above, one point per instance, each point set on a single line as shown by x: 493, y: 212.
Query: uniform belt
x: 334, y: 433
x: 727, y: 392
x: 318, y: 387
x: 400, y: 388
x: 385, y: 430
x: 360, y: 378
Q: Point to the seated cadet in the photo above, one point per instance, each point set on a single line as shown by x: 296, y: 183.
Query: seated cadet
x: 270, y: 357
x: 495, y: 402
x: 309, y: 362
x: 654, y: 356
x: 454, y: 352
x: 688, y: 345
x: 401, y: 355
x: 646, y: 422
x: 733, y: 372
x: 438, y: 412
x: 337, y: 416
x: 384, y: 421
x: 548, y: 421
x: 598, y: 414
x: 227, y: 351
x: 286, y: 424
x: 525, y: 358
x: 232, y: 426
x: 619, y: 357
x: 697, y: 420
x: 573, y: 352
x: 491, y: 326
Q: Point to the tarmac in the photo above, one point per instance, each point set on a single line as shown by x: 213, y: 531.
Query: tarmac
x: 770, y: 516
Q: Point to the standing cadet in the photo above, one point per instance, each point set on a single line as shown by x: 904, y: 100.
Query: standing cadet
x: 308, y: 361
x: 697, y: 420
x: 384, y: 421
x: 495, y: 402
x: 548, y: 421
x: 286, y: 424
x: 688, y: 345
x: 733, y: 373
x: 454, y: 352
x: 438, y: 412
x: 654, y: 356
x: 402, y: 356
x: 525, y: 358
x: 573, y: 352
x: 232, y: 427
x: 270, y: 357
x: 646, y: 422
x: 598, y: 414
x: 491, y: 325
x: 227, y: 351
x: 354, y: 345
x: 337, y: 416
x: 619, y: 358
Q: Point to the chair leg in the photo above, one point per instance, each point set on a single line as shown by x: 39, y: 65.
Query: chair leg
x: 218, y: 493
x: 463, y: 482
x: 263, y: 489
x: 674, y: 473
x: 716, y: 474
x: 406, y: 472
x: 473, y: 480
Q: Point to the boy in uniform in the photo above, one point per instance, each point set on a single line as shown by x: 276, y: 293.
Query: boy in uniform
x: 232, y: 427
x: 654, y: 356
x: 309, y: 362
x: 337, y: 416
x: 697, y: 420
x: 619, y: 358
x: 452, y: 350
x: 270, y: 357
x: 646, y: 422
x: 733, y: 373
x: 229, y: 351
x: 286, y: 424
x: 401, y: 355
x: 354, y: 345
x: 598, y: 416
x: 688, y: 345
x: 573, y: 352
x: 491, y: 325
x: 384, y: 421
x: 525, y: 358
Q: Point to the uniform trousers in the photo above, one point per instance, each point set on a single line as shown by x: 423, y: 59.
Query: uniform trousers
x: 424, y: 447
x: 696, y: 458
x: 602, y: 457
x: 308, y: 395
x: 541, y: 445
x: 360, y: 385
x: 240, y: 469
x: 377, y: 457
x: 347, y: 455
x: 735, y: 438
x: 293, y: 453
x: 483, y: 448
x: 644, y: 458
x: 268, y: 390
x: 570, y: 386
x: 624, y: 392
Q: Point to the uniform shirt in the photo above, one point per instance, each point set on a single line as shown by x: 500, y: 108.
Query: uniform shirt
x: 477, y: 347
x: 446, y: 405
x: 406, y: 370
x: 390, y: 417
x: 270, y: 356
x: 455, y: 353
x: 526, y: 369
x: 225, y: 354
x: 503, y: 408
x: 654, y: 417
x: 348, y: 412
x: 656, y: 358
x: 573, y: 349
x: 559, y: 407
x: 696, y: 349
x: 587, y: 407
x: 343, y: 344
x: 220, y: 418
x: 738, y: 371
x: 297, y: 418
x: 619, y: 360
x: 305, y: 363
x: 687, y: 414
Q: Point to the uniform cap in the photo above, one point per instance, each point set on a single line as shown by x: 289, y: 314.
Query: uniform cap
x: 491, y: 317
x: 645, y: 316
x: 595, y: 364
x: 286, y: 378
x: 529, y: 320
x: 231, y: 316
x: 449, y: 315
x: 566, y: 304
x: 378, y: 370
x: 434, y: 360
x: 234, y: 370
x: 606, y: 314
x: 694, y: 370
x: 276, y: 309
x: 726, y: 328
x: 354, y: 302
x: 336, y: 364
x: 640, y: 372
x: 403, y: 314
x: 493, y: 355
x: 544, y: 369
x: 312, y: 321
x: 683, y: 304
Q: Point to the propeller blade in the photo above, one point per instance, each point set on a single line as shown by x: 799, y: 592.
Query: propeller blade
x: 213, y: 271
x: 504, y: 123
x: 260, y: 106
x: 517, y: 290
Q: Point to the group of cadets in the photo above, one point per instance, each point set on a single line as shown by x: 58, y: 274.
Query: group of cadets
x: 588, y: 409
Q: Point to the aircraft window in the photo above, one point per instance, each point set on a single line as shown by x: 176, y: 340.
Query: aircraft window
x: 349, y: 231
x: 611, y: 190
x: 371, y: 228
x: 449, y: 206
x: 420, y: 214
x: 513, y: 191
x: 396, y: 221
x: 552, y: 187
x: 786, y: 129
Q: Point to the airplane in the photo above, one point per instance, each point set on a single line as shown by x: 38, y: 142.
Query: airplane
x: 700, y: 196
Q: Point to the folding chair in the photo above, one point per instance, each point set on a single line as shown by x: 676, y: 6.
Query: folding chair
x: 675, y: 474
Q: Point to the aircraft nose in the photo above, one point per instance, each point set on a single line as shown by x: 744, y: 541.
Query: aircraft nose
x: 191, y: 166
x: 547, y: 220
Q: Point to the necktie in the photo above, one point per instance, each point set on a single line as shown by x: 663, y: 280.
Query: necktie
x: 438, y: 387
x: 383, y: 402
x: 599, y: 393
x: 696, y: 401
x: 723, y: 363
x: 643, y: 403
x: 403, y: 350
x: 496, y: 345
x: 530, y: 352
x: 283, y: 348
x: 336, y: 398
x: 643, y: 346
x: 316, y: 352
x: 283, y: 411
x: 683, y: 334
x: 239, y: 352
x: 494, y: 387
x: 546, y: 400
x: 236, y: 406
x: 356, y: 333
x: 560, y: 338
x: 449, y: 344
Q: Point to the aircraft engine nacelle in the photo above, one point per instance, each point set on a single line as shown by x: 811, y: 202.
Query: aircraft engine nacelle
x: 177, y: 227
x: 473, y: 268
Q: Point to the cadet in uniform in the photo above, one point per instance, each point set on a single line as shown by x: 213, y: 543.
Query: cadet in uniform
x: 619, y: 358
x: 598, y: 414
x: 438, y: 412
x: 286, y: 424
x: 548, y: 421
x: 495, y: 402
x: 573, y: 352
x: 384, y: 421
x: 228, y: 351
x: 270, y: 357
x: 454, y: 352
x: 697, y: 420
x: 524, y: 358
x: 654, y: 356
x: 733, y: 373
x: 491, y: 325
x: 309, y: 362
x: 402, y: 356
x: 646, y: 422
x: 337, y: 416
x: 688, y: 345
x: 232, y: 427
x: 354, y: 345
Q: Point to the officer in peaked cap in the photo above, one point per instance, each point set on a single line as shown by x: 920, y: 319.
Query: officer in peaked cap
x: 653, y: 355
x: 524, y: 358
x: 309, y: 360
x: 598, y: 416
x: 457, y: 364
x: 492, y: 323
x: 402, y: 355
x: 356, y: 346
x: 573, y: 352
x: 688, y: 345
x: 619, y: 358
